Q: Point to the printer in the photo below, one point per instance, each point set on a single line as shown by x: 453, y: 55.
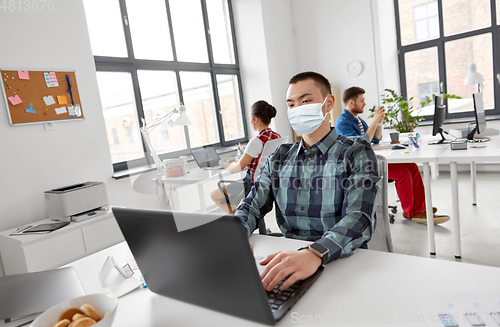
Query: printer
x: 77, y: 202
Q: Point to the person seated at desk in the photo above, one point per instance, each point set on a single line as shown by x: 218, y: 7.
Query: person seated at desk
x: 409, y: 184
x: 260, y: 118
x: 323, y: 187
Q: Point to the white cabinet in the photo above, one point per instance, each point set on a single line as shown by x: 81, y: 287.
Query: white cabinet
x: 35, y: 252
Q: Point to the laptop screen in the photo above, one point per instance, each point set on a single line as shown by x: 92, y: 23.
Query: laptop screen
x: 206, y: 157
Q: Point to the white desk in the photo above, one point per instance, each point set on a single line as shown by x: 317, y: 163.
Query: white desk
x: 369, y: 288
x: 196, y: 177
x: 472, y: 155
x: 444, y: 154
x: 425, y: 155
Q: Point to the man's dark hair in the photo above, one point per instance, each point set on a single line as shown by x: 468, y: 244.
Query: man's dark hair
x: 352, y: 93
x: 322, y: 82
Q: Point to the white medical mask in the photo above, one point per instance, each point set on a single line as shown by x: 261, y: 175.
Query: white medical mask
x: 306, y: 118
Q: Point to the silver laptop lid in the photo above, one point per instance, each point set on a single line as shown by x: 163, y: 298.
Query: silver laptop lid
x: 206, y: 157
x: 26, y: 294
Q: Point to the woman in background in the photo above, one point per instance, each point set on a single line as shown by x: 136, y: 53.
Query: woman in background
x: 260, y: 118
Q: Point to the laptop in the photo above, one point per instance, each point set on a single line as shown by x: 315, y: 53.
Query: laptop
x: 210, y: 265
x: 207, y: 158
x: 29, y: 293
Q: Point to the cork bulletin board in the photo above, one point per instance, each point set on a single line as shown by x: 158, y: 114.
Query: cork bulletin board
x: 40, y: 96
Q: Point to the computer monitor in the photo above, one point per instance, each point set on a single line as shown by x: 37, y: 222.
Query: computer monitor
x: 480, y: 119
x: 439, y: 116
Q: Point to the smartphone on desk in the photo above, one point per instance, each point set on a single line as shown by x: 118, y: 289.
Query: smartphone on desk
x: 447, y: 320
x: 474, y: 319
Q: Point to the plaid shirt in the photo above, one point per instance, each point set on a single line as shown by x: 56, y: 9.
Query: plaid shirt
x: 325, y: 195
x: 265, y: 135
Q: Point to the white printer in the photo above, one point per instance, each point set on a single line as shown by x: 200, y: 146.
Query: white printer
x: 77, y: 202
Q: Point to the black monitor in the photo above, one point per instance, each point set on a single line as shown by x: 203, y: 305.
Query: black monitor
x: 439, y: 116
x: 480, y: 119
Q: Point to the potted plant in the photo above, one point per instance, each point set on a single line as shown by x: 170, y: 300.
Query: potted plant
x: 399, y: 111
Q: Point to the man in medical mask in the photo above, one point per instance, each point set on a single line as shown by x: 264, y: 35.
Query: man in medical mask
x: 323, y: 187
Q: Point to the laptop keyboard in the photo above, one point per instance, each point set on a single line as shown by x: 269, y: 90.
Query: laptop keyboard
x: 277, y: 297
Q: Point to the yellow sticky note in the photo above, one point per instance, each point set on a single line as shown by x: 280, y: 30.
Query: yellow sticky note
x: 62, y: 99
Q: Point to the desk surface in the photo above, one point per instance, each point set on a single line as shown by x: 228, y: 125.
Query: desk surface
x: 491, y: 152
x: 198, y: 175
x: 369, y: 288
x: 426, y: 152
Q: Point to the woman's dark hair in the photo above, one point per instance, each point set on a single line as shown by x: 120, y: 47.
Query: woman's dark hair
x: 264, y: 111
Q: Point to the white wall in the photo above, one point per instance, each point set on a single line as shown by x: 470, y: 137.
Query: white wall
x: 266, y: 49
x: 35, y: 160
x: 330, y: 34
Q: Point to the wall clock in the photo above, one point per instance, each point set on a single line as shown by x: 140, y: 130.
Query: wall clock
x: 354, y: 67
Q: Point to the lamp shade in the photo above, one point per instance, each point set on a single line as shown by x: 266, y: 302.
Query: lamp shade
x: 473, y: 77
x: 183, y: 119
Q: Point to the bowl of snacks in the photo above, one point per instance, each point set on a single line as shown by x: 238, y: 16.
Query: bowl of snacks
x: 89, y: 310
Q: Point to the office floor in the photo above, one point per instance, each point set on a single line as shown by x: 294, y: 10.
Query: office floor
x: 480, y: 224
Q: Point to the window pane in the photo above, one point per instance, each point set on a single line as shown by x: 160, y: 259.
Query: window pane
x: 459, y: 54
x: 189, y: 30
x: 149, y: 29
x: 433, y: 27
x: 220, y: 31
x: 105, y: 28
x: 230, y: 107
x: 159, y: 97
x: 498, y: 12
x: 465, y: 15
x: 198, y: 98
x: 421, y: 30
x: 421, y: 67
x: 418, y: 21
x: 118, y: 105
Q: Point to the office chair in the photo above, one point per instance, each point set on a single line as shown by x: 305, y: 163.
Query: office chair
x: 235, y: 198
x: 394, y: 209
x: 381, y: 238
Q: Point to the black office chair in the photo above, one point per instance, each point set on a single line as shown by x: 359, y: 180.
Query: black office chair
x: 394, y: 209
x: 267, y: 231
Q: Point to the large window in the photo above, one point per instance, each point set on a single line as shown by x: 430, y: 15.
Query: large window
x: 152, y: 55
x: 437, y: 40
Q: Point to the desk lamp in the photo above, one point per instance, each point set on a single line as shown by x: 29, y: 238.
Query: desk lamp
x: 473, y: 77
x: 183, y: 119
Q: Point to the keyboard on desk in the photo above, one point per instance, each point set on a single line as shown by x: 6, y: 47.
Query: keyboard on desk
x: 277, y: 297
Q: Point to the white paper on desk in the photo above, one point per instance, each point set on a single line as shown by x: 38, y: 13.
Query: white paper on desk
x: 127, y: 286
x: 385, y: 153
x: 461, y: 307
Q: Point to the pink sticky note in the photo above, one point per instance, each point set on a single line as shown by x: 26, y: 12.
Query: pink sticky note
x: 15, y: 99
x: 23, y: 74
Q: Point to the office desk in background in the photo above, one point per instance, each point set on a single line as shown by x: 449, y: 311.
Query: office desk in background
x: 425, y: 155
x: 444, y: 154
x: 491, y: 152
x: 370, y: 288
x: 197, y: 177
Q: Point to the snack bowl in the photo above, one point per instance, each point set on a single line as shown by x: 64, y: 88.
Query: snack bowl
x: 102, y: 302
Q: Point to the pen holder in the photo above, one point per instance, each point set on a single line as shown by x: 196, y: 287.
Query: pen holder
x: 413, y: 142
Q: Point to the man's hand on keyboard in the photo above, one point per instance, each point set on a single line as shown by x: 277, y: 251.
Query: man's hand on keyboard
x: 298, y: 265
